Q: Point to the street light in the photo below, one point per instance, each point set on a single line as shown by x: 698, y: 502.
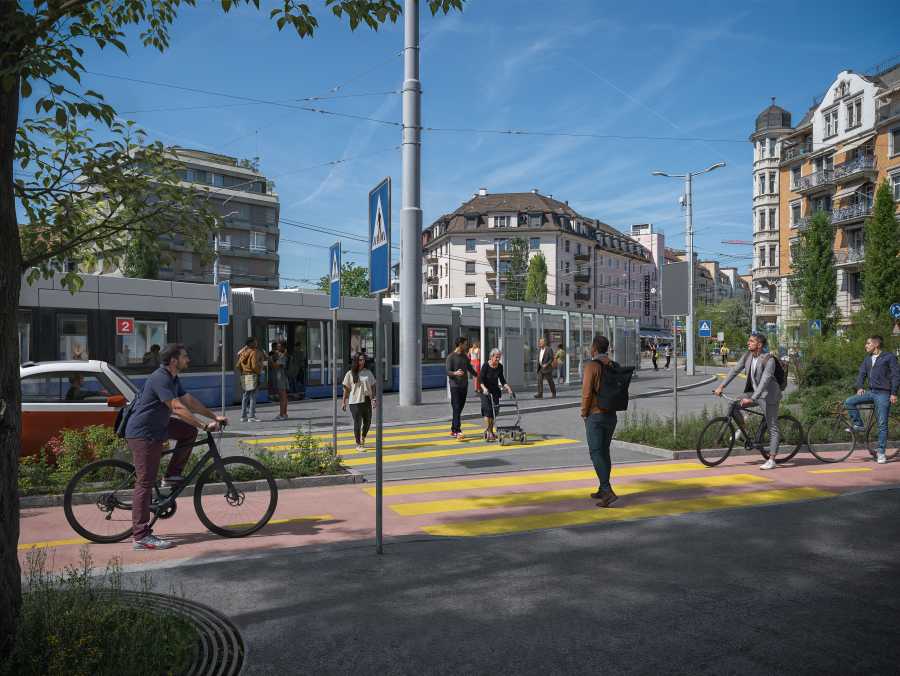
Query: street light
x: 689, y: 237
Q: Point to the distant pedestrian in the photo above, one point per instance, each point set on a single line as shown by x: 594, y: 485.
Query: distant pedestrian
x: 880, y: 367
x: 723, y: 351
x: 544, y: 370
x: 279, y: 364
x: 668, y: 353
x: 474, y: 354
x: 654, y: 356
x: 599, y: 424
x: 151, y: 358
x: 458, y: 369
x: 249, y: 366
x: 559, y: 360
x: 492, y: 379
x: 359, y: 392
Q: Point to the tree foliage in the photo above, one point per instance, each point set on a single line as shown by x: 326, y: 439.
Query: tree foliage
x: 354, y: 281
x: 516, y: 265
x: 814, y: 281
x: 730, y: 316
x: 536, y: 286
x: 881, y: 274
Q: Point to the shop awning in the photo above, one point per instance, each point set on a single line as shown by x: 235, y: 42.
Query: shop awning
x: 850, y: 189
x: 857, y: 143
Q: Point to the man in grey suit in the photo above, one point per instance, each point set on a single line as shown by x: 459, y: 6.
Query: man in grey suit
x: 544, y: 370
x: 762, y: 388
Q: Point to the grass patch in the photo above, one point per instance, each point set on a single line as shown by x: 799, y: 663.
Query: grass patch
x: 79, y: 624
x: 652, y: 430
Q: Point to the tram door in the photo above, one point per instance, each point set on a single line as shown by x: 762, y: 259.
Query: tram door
x: 298, y: 366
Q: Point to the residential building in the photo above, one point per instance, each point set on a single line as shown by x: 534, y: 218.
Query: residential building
x: 591, y: 265
x: 248, y: 232
x: 832, y: 161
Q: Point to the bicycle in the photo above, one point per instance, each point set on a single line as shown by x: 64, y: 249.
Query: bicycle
x: 832, y: 438
x: 234, y: 496
x: 716, y: 441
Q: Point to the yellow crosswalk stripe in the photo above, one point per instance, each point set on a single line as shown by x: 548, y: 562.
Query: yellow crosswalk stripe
x: 840, y: 470
x: 530, y: 479
x: 462, y: 449
x: 539, y: 497
x: 53, y: 543
x: 389, y: 442
x: 443, y: 428
x: 516, y: 524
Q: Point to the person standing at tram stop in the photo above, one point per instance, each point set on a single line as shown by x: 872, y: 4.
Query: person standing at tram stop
x: 249, y: 367
x: 163, y: 410
x: 599, y: 424
x: 359, y: 392
x: 545, y: 370
x: 559, y: 359
x: 458, y: 369
x: 475, y: 360
x: 668, y: 353
x: 654, y: 356
x: 279, y: 364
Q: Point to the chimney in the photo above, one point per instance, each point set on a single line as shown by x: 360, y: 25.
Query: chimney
x: 535, y: 191
x: 482, y: 192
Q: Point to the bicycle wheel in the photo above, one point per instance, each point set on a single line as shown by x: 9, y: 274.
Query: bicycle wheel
x: 892, y: 447
x: 790, y: 439
x: 831, y: 438
x: 244, y: 512
x: 97, y: 501
x: 715, y: 441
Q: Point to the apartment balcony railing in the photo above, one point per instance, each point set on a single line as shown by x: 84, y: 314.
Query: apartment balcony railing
x: 817, y: 181
x: 852, y: 256
x: 582, y: 295
x: 794, y: 152
x: 582, y: 277
x: 585, y: 256
x: 766, y: 309
x: 849, y: 214
x: 858, y: 165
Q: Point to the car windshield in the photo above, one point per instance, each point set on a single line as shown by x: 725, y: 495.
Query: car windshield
x: 124, y: 378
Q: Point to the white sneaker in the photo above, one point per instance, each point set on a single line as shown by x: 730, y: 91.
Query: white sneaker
x: 768, y: 464
x: 243, y: 420
x: 152, y: 542
x: 360, y: 448
x: 881, y: 458
x: 252, y: 420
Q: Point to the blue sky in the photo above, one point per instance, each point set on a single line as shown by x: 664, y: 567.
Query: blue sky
x: 698, y: 69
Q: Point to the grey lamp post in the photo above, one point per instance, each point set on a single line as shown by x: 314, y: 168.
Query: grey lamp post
x: 689, y: 240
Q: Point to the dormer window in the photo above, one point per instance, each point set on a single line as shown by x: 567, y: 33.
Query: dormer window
x: 534, y: 220
x: 471, y: 222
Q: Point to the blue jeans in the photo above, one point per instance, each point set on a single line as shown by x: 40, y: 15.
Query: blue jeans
x: 248, y: 403
x: 882, y: 401
x: 599, y: 428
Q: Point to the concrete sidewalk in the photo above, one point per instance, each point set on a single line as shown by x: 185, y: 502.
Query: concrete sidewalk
x: 435, y: 406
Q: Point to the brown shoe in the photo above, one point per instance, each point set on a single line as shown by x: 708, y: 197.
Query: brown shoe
x: 607, y: 498
x: 598, y: 494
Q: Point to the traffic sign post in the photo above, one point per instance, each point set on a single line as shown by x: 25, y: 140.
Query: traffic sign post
x: 224, y: 292
x: 895, y: 310
x: 704, y: 328
x: 379, y: 282
x: 335, y: 289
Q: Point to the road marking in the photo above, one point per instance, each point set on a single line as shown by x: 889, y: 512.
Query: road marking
x: 530, y: 479
x: 538, y: 497
x: 461, y: 450
x: 53, y: 543
x: 390, y: 443
x: 840, y: 470
x: 516, y: 524
x: 388, y: 431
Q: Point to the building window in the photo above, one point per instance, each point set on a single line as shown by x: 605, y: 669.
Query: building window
x: 795, y: 213
x: 771, y: 147
x: 762, y: 256
x: 470, y: 267
x: 258, y: 242
x: 895, y: 183
x: 771, y: 183
x: 567, y: 266
x: 471, y: 222
x: 773, y: 225
x: 470, y: 245
x: 762, y: 184
x: 831, y: 122
x: 131, y: 350
x: 894, y: 138
x: 470, y: 290
x: 854, y: 113
x: 762, y: 219
x: 567, y: 246
x: 436, y: 343
x: 501, y: 221
x: 534, y: 243
x: 567, y: 289
x: 772, y: 256
x: 795, y: 176
x: 73, y: 336
x: 534, y: 220
x: 199, y: 336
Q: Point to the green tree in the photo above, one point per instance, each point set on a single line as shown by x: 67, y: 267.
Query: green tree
x: 730, y: 316
x: 143, y: 256
x: 354, y: 281
x: 813, y: 282
x: 85, y: 193
x: 513, y: 280
x: 536, y: 286
x: 881, y: 274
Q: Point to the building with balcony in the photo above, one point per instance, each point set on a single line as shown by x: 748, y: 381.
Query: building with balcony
x: 832, y: 161
x: 590, y: 265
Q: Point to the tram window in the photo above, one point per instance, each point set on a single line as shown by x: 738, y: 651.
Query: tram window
x: 134, y: 350
x: 199, y: 336
x: 73, y: 336
x: 23, y: 326
x: 436, y: 343
x: 362, y: 339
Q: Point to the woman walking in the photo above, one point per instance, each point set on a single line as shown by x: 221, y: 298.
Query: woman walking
x: 491, y: 379
x: 359, y: 392
x: 559, y: 360
x: 475, y: 360
x: 279, y: 363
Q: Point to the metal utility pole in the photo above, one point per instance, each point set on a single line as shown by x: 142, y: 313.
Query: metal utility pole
x: 411, y: 215
x: 497, y: 279
x: 222, y: 332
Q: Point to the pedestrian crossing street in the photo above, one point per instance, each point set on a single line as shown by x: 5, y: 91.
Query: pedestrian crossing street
x: 519, y: 502
x: 412, y: 443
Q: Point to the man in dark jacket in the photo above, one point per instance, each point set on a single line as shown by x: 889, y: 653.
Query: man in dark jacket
x: 544, y: 370
x: 599, y: 424
x: 458, y: 368
x: 883, y: 372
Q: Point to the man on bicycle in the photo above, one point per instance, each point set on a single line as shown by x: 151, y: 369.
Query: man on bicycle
x: 762, y: 388
x: 883, y: 372
x: 163, y: 410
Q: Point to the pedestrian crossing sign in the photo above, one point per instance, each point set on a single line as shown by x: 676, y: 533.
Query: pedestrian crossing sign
x: 380, y: 237
x: 335, y: 276
x: 705, y: 328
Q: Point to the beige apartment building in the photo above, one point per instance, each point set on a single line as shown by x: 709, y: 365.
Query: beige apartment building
x: 832, y: 161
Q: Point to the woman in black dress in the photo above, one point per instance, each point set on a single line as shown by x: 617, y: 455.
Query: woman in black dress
x: 491, y: 379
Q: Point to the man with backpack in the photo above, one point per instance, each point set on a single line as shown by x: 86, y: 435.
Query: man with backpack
x: 604, y: 390
x: 766, y: 379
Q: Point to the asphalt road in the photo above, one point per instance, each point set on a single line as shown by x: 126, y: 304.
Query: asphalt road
x: 802, y: 588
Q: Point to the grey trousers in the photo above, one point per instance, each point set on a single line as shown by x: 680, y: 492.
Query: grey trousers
x: 771, y: 411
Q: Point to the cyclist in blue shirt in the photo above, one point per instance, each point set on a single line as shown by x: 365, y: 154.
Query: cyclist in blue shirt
x: 883, y: 372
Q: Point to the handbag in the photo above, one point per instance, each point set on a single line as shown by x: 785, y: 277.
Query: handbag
x: 249, y: 381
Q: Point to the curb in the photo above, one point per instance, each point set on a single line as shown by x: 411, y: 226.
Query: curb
x: 351, y: 476
x: 683, y: 454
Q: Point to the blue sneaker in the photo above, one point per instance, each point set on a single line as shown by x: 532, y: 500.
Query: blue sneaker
x: 152, y: 542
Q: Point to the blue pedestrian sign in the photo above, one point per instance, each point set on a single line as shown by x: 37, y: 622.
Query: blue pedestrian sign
x: 705, y: 328
x: 224, y: 298
x: 895, y: 310
x: 815, y: 326
x: 334, y: 274
x: 380, y: 237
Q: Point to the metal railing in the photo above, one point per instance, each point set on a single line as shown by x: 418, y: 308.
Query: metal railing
x: 851, y: 213
x: 815, y: 180
x: 854, y: 166
x: 796, y: 151
x: 851, y: 255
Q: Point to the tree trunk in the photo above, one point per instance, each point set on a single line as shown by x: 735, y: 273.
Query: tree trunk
x: 10, y: 395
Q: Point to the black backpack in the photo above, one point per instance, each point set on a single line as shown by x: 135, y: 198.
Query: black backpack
x: 614, y: 383
x: 781, y: 372
x: 124, y: 414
